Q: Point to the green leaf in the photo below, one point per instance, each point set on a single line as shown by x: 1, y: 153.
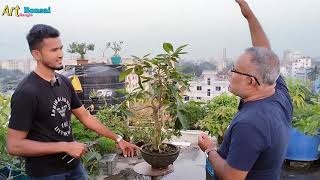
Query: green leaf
x: 140, y: 83
x: 146, y: 55
x: 121, y: 91
x: 138, y: 69
x: 147, y: 64
x: 124, y: 74
x: 181, y: 47
x: 182, y: 117
x: 168, y: 47
x: 135, y: 57
x: 154, y: 61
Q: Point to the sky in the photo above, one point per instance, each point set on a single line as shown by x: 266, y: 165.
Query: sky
x: 207, y: 26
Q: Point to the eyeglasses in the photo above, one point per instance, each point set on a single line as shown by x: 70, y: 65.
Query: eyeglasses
x: 245, y: 74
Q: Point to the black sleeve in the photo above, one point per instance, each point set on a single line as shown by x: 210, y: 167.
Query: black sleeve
x: 75, y: 101
x: 23, y: 109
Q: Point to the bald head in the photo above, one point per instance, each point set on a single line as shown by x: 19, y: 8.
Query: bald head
x: 266, y: 63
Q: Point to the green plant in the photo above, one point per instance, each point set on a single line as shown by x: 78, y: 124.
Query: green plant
x: 306, y: 108
x: 196, y: 111
x: 164, y: 97
x: 112, y: 117
x: 221, y: 110
x: 300, y: 92
x: 15, y: 163
x: 94, y: 94
x: 143, y: 132
x: 93, y: 156
x: 115, y: 46
x: 307, y: 120
x: 91, y: 161
x: 106, y: 145
x: 80, y: 48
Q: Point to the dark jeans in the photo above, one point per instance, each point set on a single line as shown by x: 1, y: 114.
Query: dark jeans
x: 78, y: 173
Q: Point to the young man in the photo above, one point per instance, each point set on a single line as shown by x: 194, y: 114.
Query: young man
x: 255, y: 143
x: 41, y: 107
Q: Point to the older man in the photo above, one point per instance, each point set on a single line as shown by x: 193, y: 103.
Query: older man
x: 255, y: 143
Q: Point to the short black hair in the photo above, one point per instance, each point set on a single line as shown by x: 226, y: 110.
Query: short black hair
x: 39, y: 32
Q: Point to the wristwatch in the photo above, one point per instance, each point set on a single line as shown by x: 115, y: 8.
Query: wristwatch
x: 207, y: 151
x: 119, y: 138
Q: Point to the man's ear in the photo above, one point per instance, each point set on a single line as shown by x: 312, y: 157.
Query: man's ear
x: 36, y: 54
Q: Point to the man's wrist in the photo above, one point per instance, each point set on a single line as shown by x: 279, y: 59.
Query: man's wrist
x: 209, y: 150
x: 118, y: 138
x: 63, y: 146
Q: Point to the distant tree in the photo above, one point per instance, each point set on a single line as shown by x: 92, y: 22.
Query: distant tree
x: 196, y: 70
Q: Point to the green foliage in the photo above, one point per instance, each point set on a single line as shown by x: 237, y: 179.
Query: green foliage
x: 4, y: 119
x: 307, y: 120
x: 6, y: 159
x: 80, y: 48
x: 164, y: 96
x: 193, y: 69
x: 144, y: 133
x: 306, y: 108
x: 112, y: 117
x: 93, y: 156
x: 106, y: 145
x: 91, y: 160
x: 94, y: 94
x: 196, y: 112
x: 221, y: 111
x: 115, y: 46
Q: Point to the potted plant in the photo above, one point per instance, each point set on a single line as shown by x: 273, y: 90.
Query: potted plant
x: 94, y: 96
x: 304, y: 134
x: 163, y: 98
x: 81, y: 49
x: 116, y: 47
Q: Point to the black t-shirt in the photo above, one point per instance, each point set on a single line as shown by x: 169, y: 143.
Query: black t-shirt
x: 44, y: 111
x: 257, y: 138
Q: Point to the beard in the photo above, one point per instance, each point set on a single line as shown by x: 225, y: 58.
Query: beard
x: 52, y: 67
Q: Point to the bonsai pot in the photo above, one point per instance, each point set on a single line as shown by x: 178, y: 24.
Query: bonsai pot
x: 116, y: 59
x: 157, y: 160
x: 82, y: 61
x: 94, y: 99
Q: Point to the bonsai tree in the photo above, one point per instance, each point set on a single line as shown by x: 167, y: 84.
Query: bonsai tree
x: 115, y: 46
x: 80, y: 48
x: 164, y: 95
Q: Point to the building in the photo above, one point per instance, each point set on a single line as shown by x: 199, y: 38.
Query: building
x: 209, y: 85
x: 26, y: 65
x: 300, y: 66
x: 221, y: 63
x: 295, y: 64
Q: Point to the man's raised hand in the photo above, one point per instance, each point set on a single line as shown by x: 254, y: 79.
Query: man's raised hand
x: 245, y: 9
